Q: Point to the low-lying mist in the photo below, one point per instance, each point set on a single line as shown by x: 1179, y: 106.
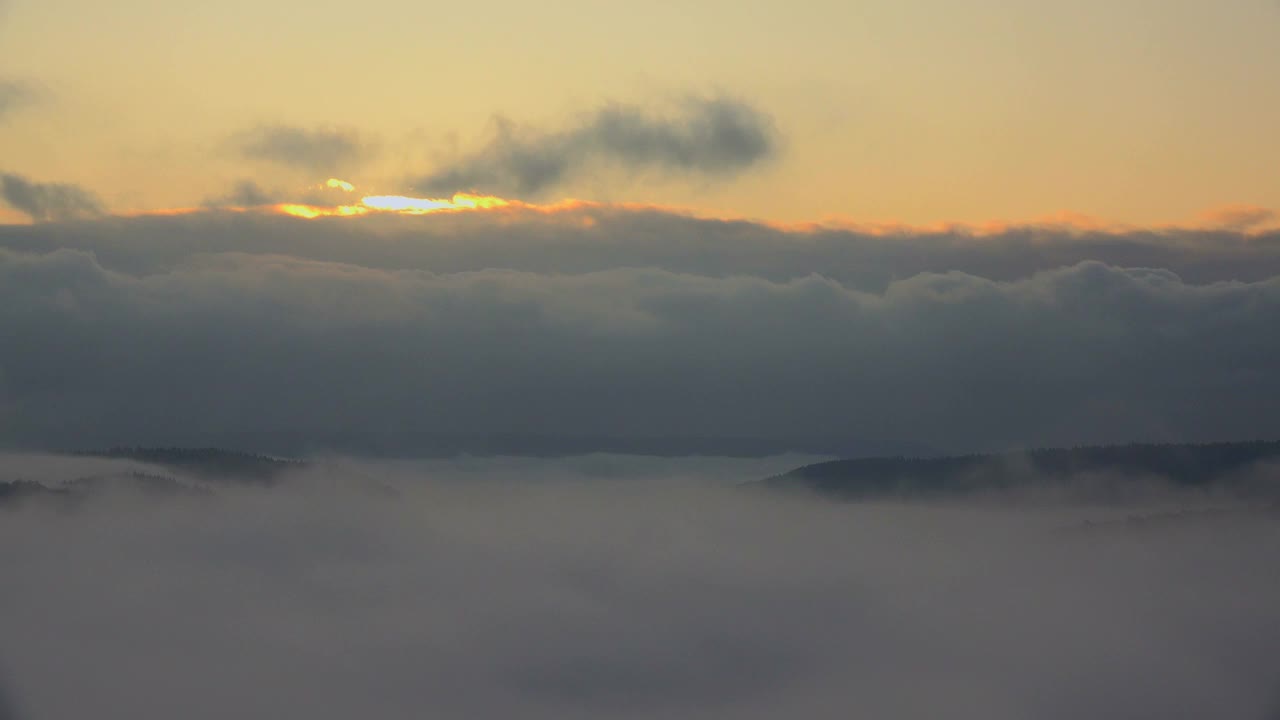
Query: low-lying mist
x: 626, y: 587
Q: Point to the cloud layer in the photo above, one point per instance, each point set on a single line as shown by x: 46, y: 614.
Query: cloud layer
x: 245, y: 330
x: 711, y: 137
x: 592, y: 238
x: 566, y: 599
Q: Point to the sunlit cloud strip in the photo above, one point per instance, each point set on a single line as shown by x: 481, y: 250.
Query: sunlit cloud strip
x: 1244, y: 220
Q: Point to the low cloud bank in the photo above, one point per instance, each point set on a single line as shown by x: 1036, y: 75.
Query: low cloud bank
x: 627, y: 330
x: 592, y: 238
x: 573, y: 599
x: 255, y: 344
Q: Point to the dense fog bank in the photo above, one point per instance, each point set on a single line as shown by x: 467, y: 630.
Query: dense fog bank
x: 462, y: 590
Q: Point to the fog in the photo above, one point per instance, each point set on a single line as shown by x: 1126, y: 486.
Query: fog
x: 609, y: 586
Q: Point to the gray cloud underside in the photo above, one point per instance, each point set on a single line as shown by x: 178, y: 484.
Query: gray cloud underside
x: 713, y: 137
x: 320, y: 150
x: 45, y: 202
x: 245, y: 325
x: 572, y: 600
x: 593, y: 239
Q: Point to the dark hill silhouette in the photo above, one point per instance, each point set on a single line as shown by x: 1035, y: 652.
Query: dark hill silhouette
x: 1189, y: 466
x: 208, y: 466
x: 18, y: 491
x: 211, y: 464
x: 70, y: 494
x: 160, y: 486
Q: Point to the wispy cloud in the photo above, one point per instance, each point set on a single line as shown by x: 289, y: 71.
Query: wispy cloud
x: 712, y: 137
x: 1241, y: 218
x: 317, y: 150
x: 44, y: 202
x: 15, y: 95
x: 245, y: 193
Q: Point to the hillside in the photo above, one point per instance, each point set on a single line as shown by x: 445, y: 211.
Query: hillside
x: 213, y: 464
x: 1187, y: 466
x: 207, y: 467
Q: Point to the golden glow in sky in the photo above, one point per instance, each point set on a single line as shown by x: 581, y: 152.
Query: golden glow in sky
x: 418, y: 206
x: 920, y: 112
x: 398, y: 204
x: 367, y: 205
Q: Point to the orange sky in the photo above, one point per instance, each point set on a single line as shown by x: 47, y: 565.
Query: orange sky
x: 1133, y: 111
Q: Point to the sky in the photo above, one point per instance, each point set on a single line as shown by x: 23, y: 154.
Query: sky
x: 1138, y: 111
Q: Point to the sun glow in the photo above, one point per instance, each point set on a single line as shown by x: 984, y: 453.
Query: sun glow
x: 314, y: 211
x: 402, y: 205
x: 461, y: 201
x: 398, y: 204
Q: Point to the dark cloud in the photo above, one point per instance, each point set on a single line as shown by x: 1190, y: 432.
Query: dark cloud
x: 334, y: 331
x: 567, y: 598
x: 711, y: 137
x: 7, y: 711
x: 630, y: 329
x: 320, y: 150
x: 48, y: 202
x: 591, y: 239
x: 250, y: 194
